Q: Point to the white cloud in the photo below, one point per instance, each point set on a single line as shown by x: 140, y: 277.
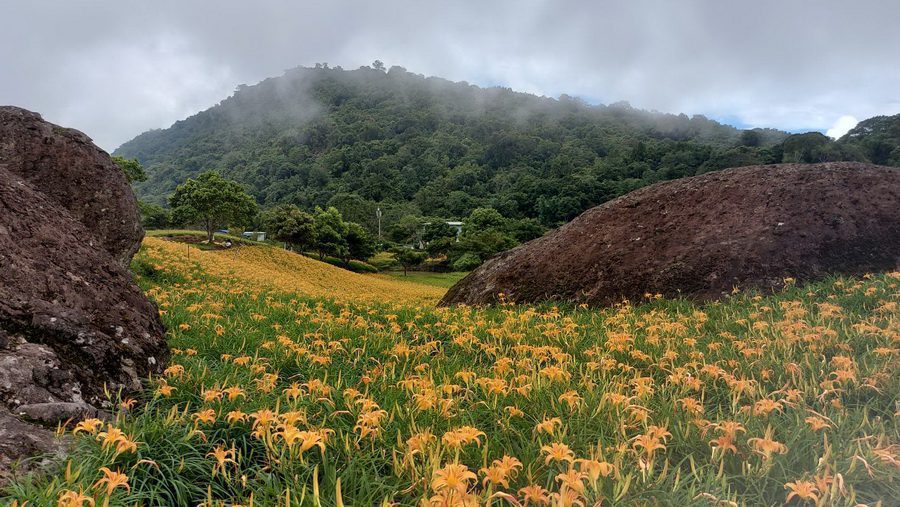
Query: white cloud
x: 841, y: 126
x: 115, y: 69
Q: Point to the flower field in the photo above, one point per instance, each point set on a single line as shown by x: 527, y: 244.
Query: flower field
x: 274, y: 268
x: 277, y: 395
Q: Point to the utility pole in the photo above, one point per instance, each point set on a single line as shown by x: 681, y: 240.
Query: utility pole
x: 378, y: 214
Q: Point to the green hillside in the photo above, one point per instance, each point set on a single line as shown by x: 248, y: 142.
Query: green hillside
x: 428, y: 146
x: 418, y: 146
x: 877, y: 139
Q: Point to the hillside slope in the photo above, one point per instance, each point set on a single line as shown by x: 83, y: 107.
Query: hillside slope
x: 428, y: 146
x: 279, y: 269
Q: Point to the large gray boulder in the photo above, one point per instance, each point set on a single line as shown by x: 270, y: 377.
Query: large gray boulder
x: 73, y: 324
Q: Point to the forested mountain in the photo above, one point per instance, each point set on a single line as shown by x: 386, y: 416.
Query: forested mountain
x: 418, y: 146
x: 877, y: 139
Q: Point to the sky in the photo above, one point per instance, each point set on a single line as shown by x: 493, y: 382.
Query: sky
x: 114, y: 69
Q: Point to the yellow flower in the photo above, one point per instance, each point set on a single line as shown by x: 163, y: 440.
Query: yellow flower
x: 514, y: 411
x: 90, y: 426
x: 691, y: 406
x: 557, y: 452
x: 567, y: 497
x: 207, y: 416
x: 548, y: 426
x: 263, y: 418
x: 804, y: 490
x: 234, y: 393
x: 817, y: 423
x: 650, y: 443
x: 419, y: 442
x: 115, y: 438
x: 572, y: 479
x: 223, y: 457
x: 293, y: 392
x: 767, y: 446
x: 176, y: 370
x: 534, y: 495
x: 495, y: 475
x: 164, y: 389
x: 453, y: 477
x: 594, y: 469
x: 724, y: 443
x: 235, y: 416
x: 69, y: 498
x: 307, y: 439
x: 112, y: 480
x: 209, y: 395
x: 462, y: 436
x: 571, y: 398
x: 766, y: 406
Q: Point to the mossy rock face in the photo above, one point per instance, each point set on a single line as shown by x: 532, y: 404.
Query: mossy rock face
x: 748, y: 227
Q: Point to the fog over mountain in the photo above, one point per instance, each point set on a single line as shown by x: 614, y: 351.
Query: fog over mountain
x: 116, y: 69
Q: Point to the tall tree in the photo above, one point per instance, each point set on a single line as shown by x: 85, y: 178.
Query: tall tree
x: 359, y: 244
x: 153, y: 216
x: 289, y: 224
x: 331, y: 232
x: 212, y: 201
x: 409, y: 258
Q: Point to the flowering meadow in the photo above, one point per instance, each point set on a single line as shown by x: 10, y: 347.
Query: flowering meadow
x: 299, y: 385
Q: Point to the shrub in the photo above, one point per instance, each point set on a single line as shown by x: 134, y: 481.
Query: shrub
x: 384, y: 261
x: 467, y: 262
x: 354, y: 265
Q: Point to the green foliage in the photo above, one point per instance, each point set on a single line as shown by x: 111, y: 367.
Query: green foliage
x: 212, y: 201
x: 331, y: 232
x: 364, y: 139
x: 485, y: 244
x: 153, y: 216
x: 484, y: 218
x: 359, y: 244
x: 409, y: 258
x: 654, y: 356
x: 133, y: 170
x: 813, y: 147
x: 327, y: 233
x: 426, y: 150
x: 466, y: 262
x: 357, y: 266
x: 877, y: 139
x: 289, y: 224
x: 383, y: 261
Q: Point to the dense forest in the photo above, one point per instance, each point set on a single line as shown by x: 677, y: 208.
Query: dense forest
x: 423, y: 148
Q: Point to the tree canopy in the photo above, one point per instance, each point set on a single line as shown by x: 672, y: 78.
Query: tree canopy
x: 132, y: 169
x: 290, y: 224
x: 366, y: 139
x: 427, y: 150
x: 212, y: 201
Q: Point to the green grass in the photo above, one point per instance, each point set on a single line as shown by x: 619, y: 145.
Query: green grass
x: 163, y: 233
x: 446, y: 280
x: 790, y: 348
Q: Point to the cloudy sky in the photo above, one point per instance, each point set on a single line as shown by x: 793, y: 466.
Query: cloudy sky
x: 116, y: 68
